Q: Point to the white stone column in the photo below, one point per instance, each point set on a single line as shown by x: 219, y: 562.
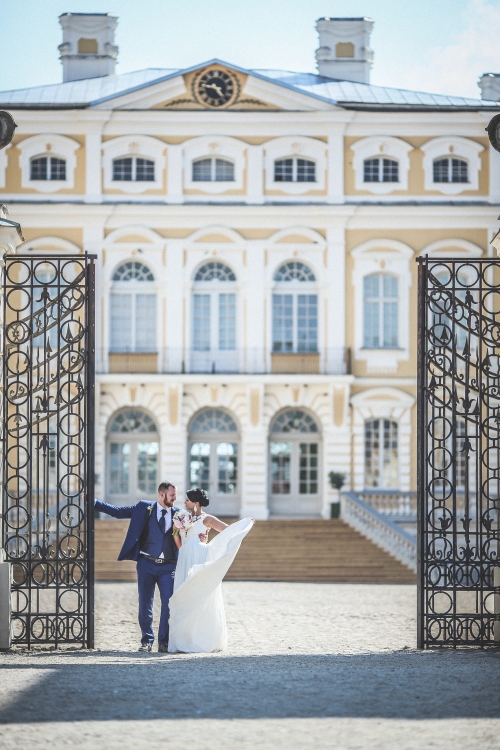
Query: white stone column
x: 177, y: 309
x: 255, y: 175
x: 175, y: 192
x: 174, y: 439
x: 253, y: 461
x: 336, y: 302
x: 494, y: 176
x: 255, y: 300
x: 336, y: 163
x: 93, y: 162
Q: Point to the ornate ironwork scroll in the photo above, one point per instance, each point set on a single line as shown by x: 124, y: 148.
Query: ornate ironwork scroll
x: 47, y: 440
x: 459, y: 453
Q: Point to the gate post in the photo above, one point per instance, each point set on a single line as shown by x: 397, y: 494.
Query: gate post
x: 10, y: 238
x: 420, y: 450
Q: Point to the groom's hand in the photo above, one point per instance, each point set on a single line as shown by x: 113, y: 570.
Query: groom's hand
x: 203, y: 537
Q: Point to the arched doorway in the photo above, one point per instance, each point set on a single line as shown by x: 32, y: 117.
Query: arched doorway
x: 213, y: 460
x: 294, y: 465
x: 133, y: 456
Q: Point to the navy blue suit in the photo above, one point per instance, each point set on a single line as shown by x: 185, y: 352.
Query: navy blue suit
x: 144, y: 533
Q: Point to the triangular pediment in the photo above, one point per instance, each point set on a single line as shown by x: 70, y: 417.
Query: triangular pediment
x: 214, y: 86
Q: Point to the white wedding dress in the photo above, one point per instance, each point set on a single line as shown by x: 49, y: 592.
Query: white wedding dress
x: 197, y: 619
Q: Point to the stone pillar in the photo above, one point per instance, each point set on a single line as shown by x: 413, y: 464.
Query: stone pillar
x: 10, y: 238
x: 174, y: 193
x: 254, y: 471
x: 255, y: 175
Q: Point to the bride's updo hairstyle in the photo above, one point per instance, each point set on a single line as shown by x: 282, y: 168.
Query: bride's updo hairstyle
x: 198, y: 496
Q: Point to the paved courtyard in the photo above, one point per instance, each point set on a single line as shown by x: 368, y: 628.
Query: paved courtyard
x: 309, y: 666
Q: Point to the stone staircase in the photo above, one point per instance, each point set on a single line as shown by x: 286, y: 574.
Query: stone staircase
x: 278, y: 550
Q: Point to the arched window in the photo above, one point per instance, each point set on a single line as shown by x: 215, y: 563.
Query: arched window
x: 380, y: 170
x: 213, y: 169
x: 294, y: 169
x: 47, y: 168
x: 380, y: 311
x: 133, y: 452
x: 214, y: 319
x: 295, y: 309
x: 450, y: 170
x: 381, y: 454
x: 294, y: 458
x: 133, y: 169
x: 213, y: 459
x: 133, y: 309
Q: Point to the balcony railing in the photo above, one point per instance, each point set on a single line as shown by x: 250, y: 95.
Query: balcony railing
x: 335, y: 361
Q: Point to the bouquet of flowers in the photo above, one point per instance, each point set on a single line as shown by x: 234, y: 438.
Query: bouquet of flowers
x: 181, y: 521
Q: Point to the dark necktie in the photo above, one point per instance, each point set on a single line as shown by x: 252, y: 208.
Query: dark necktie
x: 162, y: 521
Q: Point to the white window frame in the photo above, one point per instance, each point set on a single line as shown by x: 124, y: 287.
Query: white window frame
x: 454, y: 147
x: 213, y: 169
x: 223, y: 358
x: 382, y: 403
x: 295, y: 288
x: 299, y: 147
x: 221, y: 147
x: 393, y: 258
x: 4, y: 159
x: 384, y: 147
x: 48, y: 145
x: 134, y: 288
x: 143, y: 147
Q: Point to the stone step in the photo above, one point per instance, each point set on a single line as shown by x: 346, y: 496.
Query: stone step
x: 277, y: 550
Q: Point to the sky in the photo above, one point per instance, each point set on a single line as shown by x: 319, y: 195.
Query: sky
x: 440, y: 46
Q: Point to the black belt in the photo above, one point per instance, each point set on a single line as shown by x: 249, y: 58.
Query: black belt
x: 158, y: 560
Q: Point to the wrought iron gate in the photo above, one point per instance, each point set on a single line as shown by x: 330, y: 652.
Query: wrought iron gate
x: 459, y: 452
x: 47, y: 441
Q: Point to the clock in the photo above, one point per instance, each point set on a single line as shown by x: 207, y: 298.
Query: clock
x: 215, y: 88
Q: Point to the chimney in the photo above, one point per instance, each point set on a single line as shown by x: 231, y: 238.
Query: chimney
x: 88, y: 48
x: 489, y: 83
x: 344, y: 48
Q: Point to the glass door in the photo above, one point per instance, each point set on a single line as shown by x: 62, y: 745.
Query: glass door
x: 213, y: 466
x: 294, y: 478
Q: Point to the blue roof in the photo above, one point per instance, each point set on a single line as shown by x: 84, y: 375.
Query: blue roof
x: 92, y: 91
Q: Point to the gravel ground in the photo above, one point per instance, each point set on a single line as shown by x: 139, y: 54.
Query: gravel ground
x: 309, y: 666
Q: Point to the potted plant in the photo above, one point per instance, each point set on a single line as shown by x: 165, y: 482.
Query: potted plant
x: 337, y: 482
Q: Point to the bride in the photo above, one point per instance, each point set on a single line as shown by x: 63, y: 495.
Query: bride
x: 197, y: 619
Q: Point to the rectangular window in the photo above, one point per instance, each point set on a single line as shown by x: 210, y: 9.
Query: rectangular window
x: 147, y: 467
x: 381, y: 454
x: 119, y: 468
x: 380, y: 311
x: 227, y: 322
x: 280, y: 468
x: 145, y: 170
x: 227, y: 468
x: 282, y: 323
x: 122, y: 170
x: 371, y: 170
x: 202, y: 170
x: 224, y: 171
x: 459, y: 171
x: 306, y: 171
x: 38, y: 168
x: 390, y: 170
x: 390, y: 311
x: 307, y: 323
x: 440, y: 170
x: 308, y: 471
x: 201, y: 323
x: 145, y: 323
x: 120, y: 327
x: 199, y: 466
x: 283, y: 170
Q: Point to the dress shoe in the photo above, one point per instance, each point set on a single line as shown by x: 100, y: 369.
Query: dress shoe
x: 163, y: 648
x: 146, y: 647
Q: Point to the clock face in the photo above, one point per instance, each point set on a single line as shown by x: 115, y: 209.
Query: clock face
x: 215, y: 88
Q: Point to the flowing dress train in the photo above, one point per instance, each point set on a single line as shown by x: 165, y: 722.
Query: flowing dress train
x: 197, y: 618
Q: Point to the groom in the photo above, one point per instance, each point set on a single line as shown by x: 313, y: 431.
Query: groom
x: 150, y: 542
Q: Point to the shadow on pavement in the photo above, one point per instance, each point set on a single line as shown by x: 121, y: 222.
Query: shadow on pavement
x: 409, y: 685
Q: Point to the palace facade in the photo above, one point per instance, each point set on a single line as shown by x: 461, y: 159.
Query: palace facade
x: 256, y: 233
